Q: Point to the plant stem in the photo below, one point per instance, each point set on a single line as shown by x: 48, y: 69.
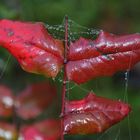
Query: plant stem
x: 64, y: 78
x: 17, y: 122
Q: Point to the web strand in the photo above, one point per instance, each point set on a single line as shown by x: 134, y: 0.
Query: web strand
x: 127, y: 75
x: 75, y: 31
x: 5, y: 66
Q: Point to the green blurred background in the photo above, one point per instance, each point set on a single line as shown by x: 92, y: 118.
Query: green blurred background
x: 116, y: 16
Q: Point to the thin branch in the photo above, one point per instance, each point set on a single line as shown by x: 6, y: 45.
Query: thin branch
x: 64, y: 78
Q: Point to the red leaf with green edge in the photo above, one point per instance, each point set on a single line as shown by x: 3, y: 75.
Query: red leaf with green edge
x: 34, y: 48
x: 45, y: 130
x: 6, y: 101
x: 102, y: 57
x: 93, y: 114
x: 7, y: 131
x: 34, y: 99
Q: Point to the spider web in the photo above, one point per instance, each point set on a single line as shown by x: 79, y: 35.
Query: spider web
x: 75, y: 31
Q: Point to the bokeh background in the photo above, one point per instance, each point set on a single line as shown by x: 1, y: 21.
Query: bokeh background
x: 116, y: 16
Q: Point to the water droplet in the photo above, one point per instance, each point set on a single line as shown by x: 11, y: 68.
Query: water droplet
x: 53, y: 78
x: 126, y: 75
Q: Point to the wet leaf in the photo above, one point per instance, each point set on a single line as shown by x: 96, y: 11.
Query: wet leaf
x: 104, y: 56
x: 7, y: 131
x: 34, y: 99
x: 6, y: 101
x: 93, y: 114
x: 38, y: 52
x: 32, y: 46
x: 45, y: 130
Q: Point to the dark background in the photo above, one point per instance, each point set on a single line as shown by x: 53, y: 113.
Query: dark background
x: 116, y: 16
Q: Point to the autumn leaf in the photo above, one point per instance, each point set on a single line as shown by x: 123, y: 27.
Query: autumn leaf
x: 7, y: 131
x: 93, y: 114
x: 34, y: 99
x: 6, y: 101
x: 44, y: 130
x: 34, y: 48
x: 108, y: 54
x: 38, y: 52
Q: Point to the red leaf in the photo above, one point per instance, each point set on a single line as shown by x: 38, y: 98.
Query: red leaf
x: 34, y: 99
x: 102, y: 57
x: 38, y: 52
x: 7, y: 131
x: 93, y: 114
x: 45, y: 130
x: 6, y: 101
x: 32, y: 46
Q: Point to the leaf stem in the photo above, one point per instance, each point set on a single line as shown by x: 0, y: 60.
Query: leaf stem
x: 64, y: 78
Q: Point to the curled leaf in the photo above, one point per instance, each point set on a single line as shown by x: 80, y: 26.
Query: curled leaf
x: 34, y: 99
x: 45, y: 130
x: 102, y: 57
x: 6, y: 101
x: 93, y: 114
x: 32, y: 46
